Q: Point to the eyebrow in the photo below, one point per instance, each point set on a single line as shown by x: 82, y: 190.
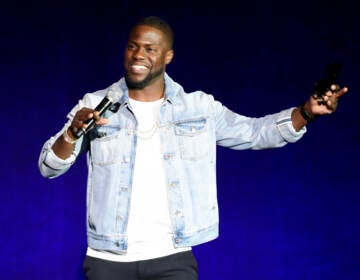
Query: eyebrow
x: 145, y: 44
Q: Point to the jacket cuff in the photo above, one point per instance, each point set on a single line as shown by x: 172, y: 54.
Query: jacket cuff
x: 54, y: 162
x: 286, y: 128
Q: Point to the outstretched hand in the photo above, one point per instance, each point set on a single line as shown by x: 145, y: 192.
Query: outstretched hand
x: 317, y: 105
x: 326, y: 104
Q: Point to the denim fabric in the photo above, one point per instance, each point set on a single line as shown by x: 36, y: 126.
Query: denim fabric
x: 190, y: 125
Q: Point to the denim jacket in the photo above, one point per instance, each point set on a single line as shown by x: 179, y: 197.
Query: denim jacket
x: 190, y: 126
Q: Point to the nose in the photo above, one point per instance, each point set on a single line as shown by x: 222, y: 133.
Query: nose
x: 138, y: 53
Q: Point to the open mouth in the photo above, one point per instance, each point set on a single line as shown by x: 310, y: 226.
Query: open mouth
x: 138, y: 68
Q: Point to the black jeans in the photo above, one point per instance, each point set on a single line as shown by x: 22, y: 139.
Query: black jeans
x: 180, y: 266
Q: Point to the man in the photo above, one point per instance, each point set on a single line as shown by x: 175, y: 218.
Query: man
x: 151, y: 192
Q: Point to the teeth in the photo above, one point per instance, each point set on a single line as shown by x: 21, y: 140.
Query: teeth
x: 138, y: 67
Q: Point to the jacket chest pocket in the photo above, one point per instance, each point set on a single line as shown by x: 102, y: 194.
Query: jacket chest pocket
x: 109, y: 149
x: 193, y: 138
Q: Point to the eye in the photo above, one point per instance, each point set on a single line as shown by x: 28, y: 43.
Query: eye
x: 151, y: 49
x: 130, y: 47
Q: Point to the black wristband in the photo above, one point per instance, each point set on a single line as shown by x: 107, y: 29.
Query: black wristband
x: 306, y: 115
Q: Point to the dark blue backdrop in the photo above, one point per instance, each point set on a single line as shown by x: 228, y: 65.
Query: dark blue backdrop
x: 290, y: 213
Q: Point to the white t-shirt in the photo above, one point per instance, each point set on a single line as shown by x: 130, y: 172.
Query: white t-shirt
x: 149, y: 229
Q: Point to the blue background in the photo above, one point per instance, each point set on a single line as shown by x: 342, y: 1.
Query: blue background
x: 289, y: 213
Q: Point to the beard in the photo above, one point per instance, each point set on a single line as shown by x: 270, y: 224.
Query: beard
x: 131, y: 84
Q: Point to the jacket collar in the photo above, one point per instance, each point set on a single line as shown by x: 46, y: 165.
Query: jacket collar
x: 172, y: 89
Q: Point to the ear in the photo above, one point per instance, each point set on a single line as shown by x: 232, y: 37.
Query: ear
x: 169, y: 56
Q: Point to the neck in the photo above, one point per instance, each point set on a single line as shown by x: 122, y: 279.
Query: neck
x: 150, y: 93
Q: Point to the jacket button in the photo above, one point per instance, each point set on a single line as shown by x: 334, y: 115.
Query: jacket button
x: 173, y: 184
x: 168, y: 156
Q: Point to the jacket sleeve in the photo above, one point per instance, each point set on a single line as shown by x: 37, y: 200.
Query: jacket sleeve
x: 240, y: 132
x: 52, y: 166
x: 49, y: 163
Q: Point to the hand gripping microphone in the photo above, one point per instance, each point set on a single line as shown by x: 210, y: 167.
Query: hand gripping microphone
x: 111, y: 97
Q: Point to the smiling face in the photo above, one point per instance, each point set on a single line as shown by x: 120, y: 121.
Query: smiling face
x: 146, y: 55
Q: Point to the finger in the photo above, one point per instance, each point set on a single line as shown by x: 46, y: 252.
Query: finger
x: 329, y: 93
x: 78, y: 124
x: 341, y: 92
x: 81, y: 121
x: 84, y: 114
x: 334, y: 87
x: 316, y: 97
x: 96, y: 115
x: 89, y: 116
x: 84, y: 117
x: 74, y: 127
x: 102, y: 121
x: 331, y: 102
x: 330, y: 107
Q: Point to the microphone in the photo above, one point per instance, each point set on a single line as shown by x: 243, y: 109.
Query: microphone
x: 111, y: 97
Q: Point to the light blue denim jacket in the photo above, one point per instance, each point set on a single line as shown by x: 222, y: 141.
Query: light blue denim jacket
x: 191, y: 125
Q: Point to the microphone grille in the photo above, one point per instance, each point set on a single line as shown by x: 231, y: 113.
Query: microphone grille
x: 113, y: 95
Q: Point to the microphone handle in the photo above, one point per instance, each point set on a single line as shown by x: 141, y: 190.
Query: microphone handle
x: 101, y: 108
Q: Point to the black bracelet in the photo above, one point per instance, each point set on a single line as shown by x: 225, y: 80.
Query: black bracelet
x: 306, y: 115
